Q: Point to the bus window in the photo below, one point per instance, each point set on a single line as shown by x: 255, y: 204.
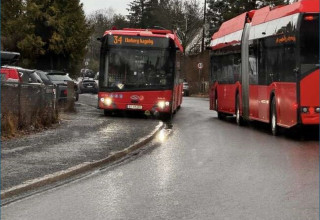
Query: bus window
x: 309, y: 43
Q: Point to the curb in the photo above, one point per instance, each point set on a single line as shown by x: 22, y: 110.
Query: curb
x: 78, y: 169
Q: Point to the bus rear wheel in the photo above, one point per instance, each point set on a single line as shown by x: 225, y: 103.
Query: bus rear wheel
x: 273, y: 123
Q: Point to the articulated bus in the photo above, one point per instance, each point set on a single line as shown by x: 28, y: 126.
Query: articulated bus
x: 265, y: 66
x: 140, y: 71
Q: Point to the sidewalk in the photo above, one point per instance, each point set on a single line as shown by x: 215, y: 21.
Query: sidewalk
x: 81, y: 138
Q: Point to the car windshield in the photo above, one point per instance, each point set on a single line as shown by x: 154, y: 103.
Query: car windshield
x: 138, y: 68
x: 59, y: 78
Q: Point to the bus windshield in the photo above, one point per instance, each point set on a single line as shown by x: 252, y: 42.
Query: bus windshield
x: 309, y: 43
x: 138, y: 68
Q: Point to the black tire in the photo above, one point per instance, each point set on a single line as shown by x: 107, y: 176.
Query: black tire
x: 239, y: 119
x: 166, y: 117
x: 220, y: 114
x: 107, y: 112
x: 273, y: 118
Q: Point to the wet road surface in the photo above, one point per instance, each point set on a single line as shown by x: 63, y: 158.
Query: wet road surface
x: 81, y: 137
x: 203, y: 169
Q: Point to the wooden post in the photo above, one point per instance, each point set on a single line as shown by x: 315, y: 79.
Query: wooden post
x: 70, y: 97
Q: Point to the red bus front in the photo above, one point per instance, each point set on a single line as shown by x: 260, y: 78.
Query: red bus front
x: 139, y: 73
x: 309, y: 70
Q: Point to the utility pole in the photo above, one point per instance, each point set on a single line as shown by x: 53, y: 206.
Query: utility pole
x: 204, y: 23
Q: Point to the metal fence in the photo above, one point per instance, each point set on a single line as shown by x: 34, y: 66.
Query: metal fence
x: 29, y: 104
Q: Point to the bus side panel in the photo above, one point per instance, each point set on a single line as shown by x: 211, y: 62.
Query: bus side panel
x: 286, y: 94
x: 286, y: 100
x: 227, y: 97
x: 253, y: 102
x: 309, y: 97
x: 263, y: 102
x: 177, y: 96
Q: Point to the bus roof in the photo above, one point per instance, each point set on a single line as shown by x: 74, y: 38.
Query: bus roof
x: 147, y: 33
x: 231, y: 26
x: 261, y: 16
x: 268, y: 14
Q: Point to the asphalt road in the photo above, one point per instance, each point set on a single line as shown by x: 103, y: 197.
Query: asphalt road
x: 81, y: 137
x: 203, y: 168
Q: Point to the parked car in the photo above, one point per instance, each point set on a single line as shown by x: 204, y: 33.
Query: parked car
x: 9, y: 75
x: 60, y: 79
x: 87, y: 82
x: 88, y: 85
x: 185, y: 89
x: 9, y: 58
x: 24, y: 75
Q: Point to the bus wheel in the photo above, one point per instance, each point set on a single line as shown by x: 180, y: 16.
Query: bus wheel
x: 220, y: 114
x: 107, y: 112
x: 274, y: 126
x: 166, y: 117
x: 239, y: 119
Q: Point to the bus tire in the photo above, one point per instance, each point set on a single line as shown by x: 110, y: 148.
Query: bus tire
x: 167, y: 116
x: 107, y: 112
x: 220, y: 114
x: 273, y: 120
x: 239, y: 119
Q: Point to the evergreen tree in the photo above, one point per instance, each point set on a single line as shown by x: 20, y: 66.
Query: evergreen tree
x: 12, y: 25
x: 137, y: 13
x: 49, y: 34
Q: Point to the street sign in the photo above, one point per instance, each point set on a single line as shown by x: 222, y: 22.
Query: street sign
x: 200, y: 65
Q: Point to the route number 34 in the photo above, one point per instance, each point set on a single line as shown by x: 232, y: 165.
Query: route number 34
x: 117, y: 40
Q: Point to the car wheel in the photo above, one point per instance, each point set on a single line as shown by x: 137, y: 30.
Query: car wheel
x: 274, y: 126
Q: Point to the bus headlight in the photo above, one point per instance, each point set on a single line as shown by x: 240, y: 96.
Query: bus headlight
x: 317, y: 109
x: 163, y: 104
x: 106, y: 101
x: 304, y: 109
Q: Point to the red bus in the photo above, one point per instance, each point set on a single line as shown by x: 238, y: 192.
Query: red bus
x: 140, y: 71
x: 265, y: 66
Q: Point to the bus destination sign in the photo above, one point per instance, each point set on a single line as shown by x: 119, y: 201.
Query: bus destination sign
x: 121, y: 40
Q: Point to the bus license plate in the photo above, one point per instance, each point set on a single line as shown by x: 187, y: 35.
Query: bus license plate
x: 134, y: 106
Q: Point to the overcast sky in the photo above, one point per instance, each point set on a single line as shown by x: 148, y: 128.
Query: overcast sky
x: 120, y: 6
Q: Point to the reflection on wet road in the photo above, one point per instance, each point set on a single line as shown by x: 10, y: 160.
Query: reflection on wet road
x: 203, y: 169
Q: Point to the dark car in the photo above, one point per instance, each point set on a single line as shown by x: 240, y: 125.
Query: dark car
x: 9, y: 58
x: 25, y: 75
x: 60, y: 80
x: 9, y: 75
x: 88, y: 83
